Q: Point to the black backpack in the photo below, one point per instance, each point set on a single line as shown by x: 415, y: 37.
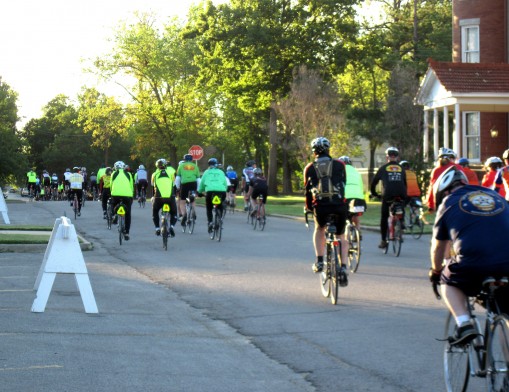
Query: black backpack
x: 326, y: 192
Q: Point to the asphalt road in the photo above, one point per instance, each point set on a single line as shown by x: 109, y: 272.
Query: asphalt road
x: 243, y: 314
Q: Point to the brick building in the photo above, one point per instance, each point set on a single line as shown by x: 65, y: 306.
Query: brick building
x: 466, y: 101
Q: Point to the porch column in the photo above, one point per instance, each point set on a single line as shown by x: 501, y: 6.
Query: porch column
x: 456, y: 136
x: 425, y: 143
x: 446, y: 127
x: 436, y: 139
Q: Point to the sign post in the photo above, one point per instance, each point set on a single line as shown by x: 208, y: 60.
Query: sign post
x: 196, y: 152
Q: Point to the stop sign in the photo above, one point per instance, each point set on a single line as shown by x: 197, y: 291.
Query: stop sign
x: 196, y: 152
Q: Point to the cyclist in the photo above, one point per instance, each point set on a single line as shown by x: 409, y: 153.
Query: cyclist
x: 163, y: 189
x: 67, y: 175
x: 471, y: 175
x: 412, y: 184
x: 101, y: 172
x: 234, y: 183
x: 468, y: 245
x: 93, y: 184
x: 141, y: 180
x: 54, y: 184
x: 247, y: 175
x: 105, y: 188
x: 122, y: 190
x: 76, y: 187
x: 213, y: 183
x: 354, y: 191
x: 31, y: 181
x: 502, y: 178
x: 393, y: 179
x: 258, y: 186
x: 188, y: 177
x: 492, y: 166
x: 324, y: 185
x: 46, y: 183
x: 445, y: 160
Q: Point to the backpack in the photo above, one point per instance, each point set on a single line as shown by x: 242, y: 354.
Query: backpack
x: 325, y: 191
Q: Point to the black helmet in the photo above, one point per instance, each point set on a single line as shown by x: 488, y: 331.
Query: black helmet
x: 392, y: 152
x: 257, y: 171
x: 450, y: 178
x: 320, y: 145
x: 405, y: 165
x: 212, y: 162
x: 250, y: 163
x: 108, y: 170
x: 188, y: 157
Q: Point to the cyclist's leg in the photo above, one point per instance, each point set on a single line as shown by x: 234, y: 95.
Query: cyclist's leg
x: 384, y: 216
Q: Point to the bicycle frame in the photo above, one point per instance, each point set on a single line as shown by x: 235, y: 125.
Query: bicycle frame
x: 260, y: 218
x: 121, y: 222
x: 165, y: 226
x: 217, y: 219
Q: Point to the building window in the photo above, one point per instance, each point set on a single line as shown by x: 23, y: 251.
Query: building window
x: 472, y: 136
x: 470, y: 44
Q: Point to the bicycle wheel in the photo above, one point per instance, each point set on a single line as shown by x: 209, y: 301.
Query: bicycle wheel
x: 325, y: 280
x: 212, y: 234
x: 232, y: 204
x: 456, y: 362
x: 249, y: 211
x: 109, y: 214
x: 354, y: 250
x: 498, y: 355
x: 218, y: 227
x: 75, y: 207
x: 191, y: 219
x: 417, y: 228
x: 121, y: 228
x: 263, y: 218
x: 164, y: 232
x: 334, y: 274
x: 396, y: 243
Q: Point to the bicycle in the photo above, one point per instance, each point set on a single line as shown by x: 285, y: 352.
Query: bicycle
x: 217, y: 219
x: 415, y: 217
x: 330, y: 275
x: 230, y: 201
x: 250, y: 218
x: 121, y: 222
x: 259, y: 214
x: 142, y: 197
x: 109, y: 213
x: 165, y: 225
x: 75, y: 206
x: 353, y: 235
x: 190, y: 213
x: 487, y: 355
x: 395, y: 231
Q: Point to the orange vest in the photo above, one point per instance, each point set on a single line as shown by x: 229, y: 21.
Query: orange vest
x: 412, y: 187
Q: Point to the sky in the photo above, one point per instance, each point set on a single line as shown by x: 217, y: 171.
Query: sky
x: 44, y: 42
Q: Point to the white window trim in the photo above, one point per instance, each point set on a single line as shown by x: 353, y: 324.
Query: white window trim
x: 464, y: 27
x: 465, y: 137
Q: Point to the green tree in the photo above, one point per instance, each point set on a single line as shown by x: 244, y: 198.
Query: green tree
x: 13, y: 164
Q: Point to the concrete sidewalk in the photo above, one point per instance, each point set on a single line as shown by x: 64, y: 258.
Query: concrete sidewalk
x: 143, y: 339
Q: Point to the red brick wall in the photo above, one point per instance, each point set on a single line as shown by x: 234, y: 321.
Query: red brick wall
x: 493, y: 146
x: 492, y: 28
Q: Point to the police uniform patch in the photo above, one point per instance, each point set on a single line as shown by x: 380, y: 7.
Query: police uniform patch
x: 481, y: 203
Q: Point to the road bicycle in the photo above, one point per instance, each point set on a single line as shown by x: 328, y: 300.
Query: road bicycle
x: 109, y: 213
x: 487, y: 355
x: 259, y: 214
x: 142, y: 199
x: 190, y: 213
x: 414, y: 217
x: 395, y: 228
x: 230, y: 201
x: 330, y: 276
x: 353, y: 236
x: 75, y: 205
x: 217, y: 219
x: 165, y: 225
x: 121, y: 210
x: 250, y: 217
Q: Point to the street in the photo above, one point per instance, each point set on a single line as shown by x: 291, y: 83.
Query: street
x: 242, y: 314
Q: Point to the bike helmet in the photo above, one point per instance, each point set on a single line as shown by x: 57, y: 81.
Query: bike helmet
x: 44, y: 171
x: 161, y: 163
x: 505, y: 155
x: 67, y: 170
x: 320, y: 145
x: 257, y: 171
x: 493, y: 162
x: 75, y: 168
x: 108, y: 170
x: 229, y: 168
x: 405, y: 165
x: 449, y: 179
x: 212, y: 162
x: 188, y: 157
x: 119, y: 165
x: 345, y: 159
x: 250, y: 163
x: 392, y: 152
x: 141, y: 167
x: 444, y: 152
x: 54, y: 174
x: 463, y: 162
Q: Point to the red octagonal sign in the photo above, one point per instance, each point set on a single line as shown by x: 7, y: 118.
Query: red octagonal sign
x: 196, y: 152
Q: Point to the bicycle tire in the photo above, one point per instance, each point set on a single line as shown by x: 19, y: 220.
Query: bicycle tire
x: 498, y: 355
x: 249, y: 211
x: 398, y: 234
x: 212, y: 234
x: 232, y: 204
x: 121, y: 228
x: 191, y: 219
x: 164, y: 233
x: 417, y: 228
x: 354, y: 249
x: 456, y: 361
x: 218, y: 227
x: 334, y: 274
x: 325, y: 285
x: 263, y: 218
x: 75, y: 207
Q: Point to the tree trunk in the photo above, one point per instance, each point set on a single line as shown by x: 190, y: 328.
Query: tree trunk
x: 287, y: 174
x: 272, y: 178
x: 371, y: 171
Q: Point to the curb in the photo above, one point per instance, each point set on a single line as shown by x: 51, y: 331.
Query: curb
x: 38, y: 248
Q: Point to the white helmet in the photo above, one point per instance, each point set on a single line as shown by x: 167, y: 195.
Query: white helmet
x: 448, y: 179
x: 119, y: 165
x: 141, y: 167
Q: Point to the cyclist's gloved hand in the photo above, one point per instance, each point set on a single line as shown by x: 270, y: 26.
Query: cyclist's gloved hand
x: 434, y: 276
